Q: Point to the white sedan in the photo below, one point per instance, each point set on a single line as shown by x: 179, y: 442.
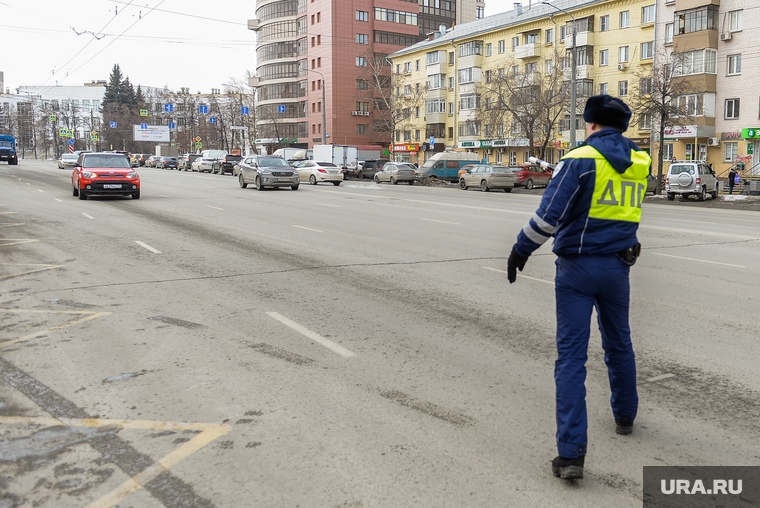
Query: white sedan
x: 316, y: 172
x: 202, y: 164
x: 67, y: 159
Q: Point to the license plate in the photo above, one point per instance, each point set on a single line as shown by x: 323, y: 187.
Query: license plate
x: 112, y: 186
x: 283, y: 179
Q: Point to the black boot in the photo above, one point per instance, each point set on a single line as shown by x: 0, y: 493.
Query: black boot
x: 623, y: 425
x: 568, y: 469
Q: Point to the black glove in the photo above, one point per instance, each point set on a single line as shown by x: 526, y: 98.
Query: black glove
x: 514, y: 262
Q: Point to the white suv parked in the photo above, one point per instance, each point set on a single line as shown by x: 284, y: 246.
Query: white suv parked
x: 688, y: 178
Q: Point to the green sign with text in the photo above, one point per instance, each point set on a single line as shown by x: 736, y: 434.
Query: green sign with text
x: 751, y: 133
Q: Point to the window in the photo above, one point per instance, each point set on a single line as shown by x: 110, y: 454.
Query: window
x: 562, y: 32
x: 502, y: 46
x: 360, y: 39
x: 550, y: 36
x: 604, y: 23
x: 408, y: 67
x: 417, y: 88
x: 319, y: 40
x: 695, y: 20
x: 319, y: 17
x: 647, y: 14
x: 645, y: 86
x: 361, y: 84
x: 603, y: 88
x: 645, y: 122
x: 735, y: 21
x: 451, y: 109
x: 469, y: 75
x: 417, y: 133
x: 531, y: 38
x: 668, y: 33
x: 471, y: 128
x: 471, y: 48
x: 431, y: 58
x: 691, y: 105
x: 515, y: 70
x: 730, y: 151
x: 487, y: 104
x: 407, y: 90
x: 667, y: 151
x: 531, y: 68
x: 488, y: 49
x: 625, y: 19
x: 701, y: 61
x: 405, y: 18
x: 361, y: 61
x: 604, y: 57
x: 488, y: 76
x: 622, y: 88
x: 647, y: 50
x: 515, y: 42
x: 480, y: 12
x: 734, y: 64
x: 451, y: 58
x: 319, y: 62
x: 470, y: 101
x: 451, y: 133
x: 623, y: 54
x: 549, y: 67
x: 362, y: 106
x: 732, y: 109
x: 417, y: 65
x: 433, y: 106
x: 436, y: 81
x: 362, y: 16
x: 488, y: 131
x: 362, y: 128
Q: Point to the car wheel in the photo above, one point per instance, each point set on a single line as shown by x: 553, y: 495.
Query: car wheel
x: 714, y: 193
x: 529, y: 184
x: 313, y: 180
x: 294, y: 187
x: 82, y: 195
x: 509, y: 189
x: 376, y: 179
x: 703, y: 194
x: 411, y: 182
x: 336, y: 183
x: 671, y: 196
x: 484, y: 186
x: 462, y: 185
x: 393, y: 181
x: 258, y: 183
x: 136, y: 195
x: 75, y: 191
x: 241, y: 180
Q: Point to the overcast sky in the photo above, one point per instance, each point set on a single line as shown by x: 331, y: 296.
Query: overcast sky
x: 175, y: 43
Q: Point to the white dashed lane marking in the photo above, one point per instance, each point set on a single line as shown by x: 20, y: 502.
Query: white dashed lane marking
x: 336, y: 348
x: 145, y: 245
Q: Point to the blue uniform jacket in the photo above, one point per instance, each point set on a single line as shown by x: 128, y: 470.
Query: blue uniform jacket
x: 564, y: 210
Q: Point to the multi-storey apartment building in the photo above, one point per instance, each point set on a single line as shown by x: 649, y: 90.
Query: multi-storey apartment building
x: 310, y: 49
x: 711, y: 41
x: 522, y: 56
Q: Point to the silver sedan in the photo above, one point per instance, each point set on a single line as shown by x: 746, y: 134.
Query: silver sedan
x: 316, y: 172
x: 395, y: 172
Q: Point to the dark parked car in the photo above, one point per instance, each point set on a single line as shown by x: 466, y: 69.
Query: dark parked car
x: 185, y: 162
x: 226, y: 164
x: 166, y: 163
x: 267, y: 171
x: 369, y: 168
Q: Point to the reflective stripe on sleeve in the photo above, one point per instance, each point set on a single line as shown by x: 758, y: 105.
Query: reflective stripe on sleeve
x: 534, y: 235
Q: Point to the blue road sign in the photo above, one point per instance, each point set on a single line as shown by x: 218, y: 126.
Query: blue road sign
x: 281, y: 109
x: 71, y: 141
x: 432, y: 140
x: 168, y: 108
x: 203, y: 109
x: 212, y: 120
x: 244, y: 110
x: 143, y: 125
x: 112, y: 125
x: 172, y: 125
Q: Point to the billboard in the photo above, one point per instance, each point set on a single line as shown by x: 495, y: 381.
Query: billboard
x: 145, y: 132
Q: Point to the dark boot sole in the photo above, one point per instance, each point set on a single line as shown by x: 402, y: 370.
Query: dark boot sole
x: 568, y: 472
x: 624, y: 430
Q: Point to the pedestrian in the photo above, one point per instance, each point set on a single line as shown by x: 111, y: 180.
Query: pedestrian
x: 732, y: 174
x: 592, y: 208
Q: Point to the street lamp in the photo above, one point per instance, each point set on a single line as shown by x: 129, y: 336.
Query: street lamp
x: 324, y: 108
x: 573, y: 98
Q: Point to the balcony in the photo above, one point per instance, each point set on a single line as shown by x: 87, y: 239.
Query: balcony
x: 581, y: 72
x: 530, y: 50
x: 581, y: 39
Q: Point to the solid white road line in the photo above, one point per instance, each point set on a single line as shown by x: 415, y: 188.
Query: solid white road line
x: 88, y: 216
x: 699, y: 260
x: 326, y: 204
x: 660, y: 378
x: 40, y: 190
x: 308, y: 229
x: 519, y: 275
x: 59, y: 200
x: 141, y: 244
x: 313, y: 336
x: 215, y: 207
x: 442, y: 222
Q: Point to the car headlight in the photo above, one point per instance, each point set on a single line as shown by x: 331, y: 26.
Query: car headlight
x: 268, y: 173
x: 131, y: 175
x: 87, y: 174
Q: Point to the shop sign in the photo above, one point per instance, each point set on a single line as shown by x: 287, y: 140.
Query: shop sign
x: 729, y: 136
x: 683, y: 131
x: 751, y: 133
x: 499, y: 142
x: 640, y: 141
x: 518, y: 142
x: 469, y: 144
x: 407, y: 148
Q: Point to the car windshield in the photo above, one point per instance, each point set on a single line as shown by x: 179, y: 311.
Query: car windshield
x: 273, y: 162
x: 69, y: 157
x: 327, y: 164
x: 405, y: 166
x: 676, y: 169
x: 106, y: 161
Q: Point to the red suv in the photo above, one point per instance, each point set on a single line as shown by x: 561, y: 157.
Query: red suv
x: 104, y: 174
x: 530, y: 176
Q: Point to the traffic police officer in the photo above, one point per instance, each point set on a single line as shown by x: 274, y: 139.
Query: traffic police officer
x: 592, y: 208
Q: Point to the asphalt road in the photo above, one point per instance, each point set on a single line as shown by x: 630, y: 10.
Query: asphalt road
x: 353, y: 347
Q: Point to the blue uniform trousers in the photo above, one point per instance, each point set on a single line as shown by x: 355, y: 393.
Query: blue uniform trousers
x: 582, y: 283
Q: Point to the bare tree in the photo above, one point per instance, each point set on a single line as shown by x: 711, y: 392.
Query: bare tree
x: 664, y: 97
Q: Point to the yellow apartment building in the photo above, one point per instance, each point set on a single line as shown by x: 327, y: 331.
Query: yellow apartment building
x: 501, y: 86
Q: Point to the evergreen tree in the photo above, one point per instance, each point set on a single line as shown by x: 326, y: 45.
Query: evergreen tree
x: 113, y: 91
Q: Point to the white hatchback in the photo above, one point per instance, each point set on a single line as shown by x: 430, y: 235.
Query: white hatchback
x: 315, y: 172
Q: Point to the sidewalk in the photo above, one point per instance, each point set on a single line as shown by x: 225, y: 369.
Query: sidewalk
x: 729, y: 201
